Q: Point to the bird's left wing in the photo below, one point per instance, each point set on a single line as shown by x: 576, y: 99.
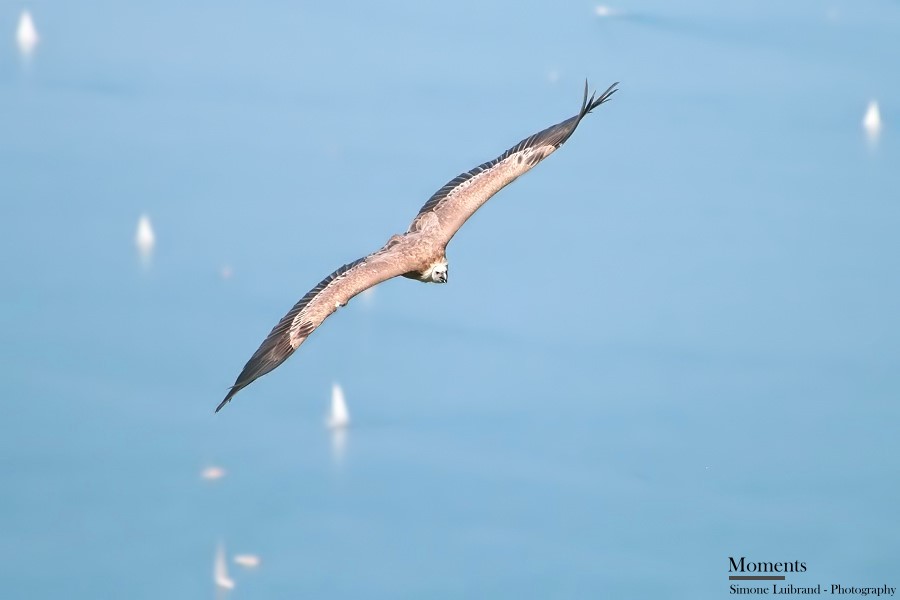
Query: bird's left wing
x: 332, y: 292
x: 464, y: 194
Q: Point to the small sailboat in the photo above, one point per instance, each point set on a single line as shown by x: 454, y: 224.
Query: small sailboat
x: 339, y: 417
x: 26, y: 34
x: 248, y: 561
x: 872, y: 120
x: 212, y: 473
x: 144, y: 237
x: 220, y: 570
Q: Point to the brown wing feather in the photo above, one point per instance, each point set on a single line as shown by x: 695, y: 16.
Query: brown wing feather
x: 310, y: 311
x: 464, y: 194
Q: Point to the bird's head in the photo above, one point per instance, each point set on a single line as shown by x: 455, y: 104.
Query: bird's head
x: 440, y: 272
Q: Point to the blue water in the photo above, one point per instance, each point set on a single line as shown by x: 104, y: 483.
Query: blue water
x: 673, y: 342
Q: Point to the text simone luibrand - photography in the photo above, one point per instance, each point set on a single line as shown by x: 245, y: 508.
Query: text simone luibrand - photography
x: 771, y: 578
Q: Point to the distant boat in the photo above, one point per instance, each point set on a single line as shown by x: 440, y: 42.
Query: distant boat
x: 220, y: 570
x: 26, y: 34
x: 601, y: 10
x: 872, y: 120
x: 212, y: 473
x: 339, y: 416
x: 248, y: 561
x: 144, y: 238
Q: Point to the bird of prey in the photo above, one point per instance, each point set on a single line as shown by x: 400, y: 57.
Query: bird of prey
x: 417, y: 254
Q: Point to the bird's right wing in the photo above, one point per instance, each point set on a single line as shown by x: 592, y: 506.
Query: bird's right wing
x: 332, y: 292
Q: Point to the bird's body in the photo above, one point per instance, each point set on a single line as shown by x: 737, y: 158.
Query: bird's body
x: 419, y: 254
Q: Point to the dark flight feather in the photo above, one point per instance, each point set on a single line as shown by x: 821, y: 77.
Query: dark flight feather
x: 277, y: 346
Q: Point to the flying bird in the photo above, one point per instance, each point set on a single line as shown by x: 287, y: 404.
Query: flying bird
x: 420, y: 253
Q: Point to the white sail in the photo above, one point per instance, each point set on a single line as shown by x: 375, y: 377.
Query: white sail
x: 872, y: 120
x: 248, y: 561
x: 212, y: 473
x: 220, y: 570
x: 26, y: 34
x: 339, y: 416
x: 144, y: 237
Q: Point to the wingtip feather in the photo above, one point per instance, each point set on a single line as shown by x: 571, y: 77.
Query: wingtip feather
x: 231, y: 392
x: 589, y: 105
x: 584, y: 101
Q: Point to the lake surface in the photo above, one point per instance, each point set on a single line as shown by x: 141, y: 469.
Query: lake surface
x: 675, y: 341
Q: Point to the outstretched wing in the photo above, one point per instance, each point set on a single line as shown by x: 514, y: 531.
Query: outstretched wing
x: 464, y: 194
x: 332, y: 292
